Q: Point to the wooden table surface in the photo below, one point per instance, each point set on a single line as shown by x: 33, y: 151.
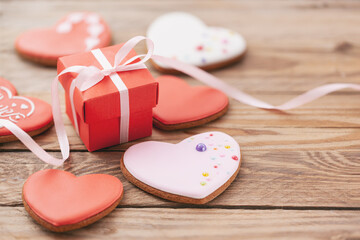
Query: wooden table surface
x: 300, y: 175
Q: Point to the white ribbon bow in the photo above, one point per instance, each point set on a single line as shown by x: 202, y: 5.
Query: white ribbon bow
x: 91, y: 75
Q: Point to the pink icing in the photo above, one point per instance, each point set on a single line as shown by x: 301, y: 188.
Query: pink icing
x: 181, y: 169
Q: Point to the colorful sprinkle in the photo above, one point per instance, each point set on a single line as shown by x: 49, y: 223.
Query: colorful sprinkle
x: 215, y: 166
x: 208, y: 179
x: 213, y: 158
x: 235, y: 158
x: 201, y: 147
x: 227, y: 146
x: 199, y: 48
x: 203, y: 60
x: 223, y: 155
x: 211, y: 134
x: 225, y: 41
x: 202, y: 183
x: 205, y: 174
x: 224, y: 51
x: 215, y: 148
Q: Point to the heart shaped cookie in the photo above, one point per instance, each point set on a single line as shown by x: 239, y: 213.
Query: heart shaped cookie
x: 196, y: 170
x: 61, y: 202
x: 76, y: 32
x: 183, y: 106
x: 186, y: 38
x: 32, y: 115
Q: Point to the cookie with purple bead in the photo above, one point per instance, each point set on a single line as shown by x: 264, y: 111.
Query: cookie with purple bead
x: 185, y: 37
x: 195, y: 170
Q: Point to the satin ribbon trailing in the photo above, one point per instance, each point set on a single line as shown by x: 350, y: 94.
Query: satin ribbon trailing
x: 90, y: 76
x: 59, y: 127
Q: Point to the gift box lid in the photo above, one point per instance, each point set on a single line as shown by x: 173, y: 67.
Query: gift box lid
x: 102, y: 101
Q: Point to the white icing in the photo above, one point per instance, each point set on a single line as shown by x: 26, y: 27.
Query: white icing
x: 95, y: 28
x: 24, y: 106
x: 64, y: 27
x: 185, y: 37
x: 92, y: 19
x: 10, y: 110
x: 181, y: 169
x: 75, y: 17
x: 90, y: 42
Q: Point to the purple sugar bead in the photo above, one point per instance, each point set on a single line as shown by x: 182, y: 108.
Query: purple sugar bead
x: 201, y: 147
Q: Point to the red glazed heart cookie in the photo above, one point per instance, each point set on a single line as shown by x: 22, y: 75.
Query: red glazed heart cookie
x: 76, y: 32
x: 61, y: 202
x: 196, y: 170
x: 186, y: 38
x: 31, y: 114
x: 183, y: 106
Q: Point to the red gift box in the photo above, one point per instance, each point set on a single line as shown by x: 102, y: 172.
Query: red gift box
x: 98, y: 110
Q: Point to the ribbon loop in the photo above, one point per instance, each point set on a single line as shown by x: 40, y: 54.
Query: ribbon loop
x: 126, y: 48
x: 88, y: 77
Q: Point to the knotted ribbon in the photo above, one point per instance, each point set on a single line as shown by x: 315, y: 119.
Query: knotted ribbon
x: 89, y: 76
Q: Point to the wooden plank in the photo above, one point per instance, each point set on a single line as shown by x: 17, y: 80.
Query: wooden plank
x: 281, y: 57
x: 329, y: 123
x: 249, y: 139
x: 159, y: 223
x: 267, y: 178
x: 306, y: 161
x: 255, y: 74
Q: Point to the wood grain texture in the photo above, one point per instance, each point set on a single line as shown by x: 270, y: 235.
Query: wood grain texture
x: 192, y: 223
x: 278, y: 179
x: 331, y: 122
x: 300, y: 173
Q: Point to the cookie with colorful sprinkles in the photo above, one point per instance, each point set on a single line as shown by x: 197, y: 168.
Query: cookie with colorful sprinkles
x: 185, y: 37
x: 195, y: 170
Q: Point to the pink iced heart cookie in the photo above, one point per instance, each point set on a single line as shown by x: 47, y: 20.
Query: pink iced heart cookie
x: 32, y: 115
x: 61, y: 202
x: 196, y: 170
x: 76, y: 32
x: 185, y: 37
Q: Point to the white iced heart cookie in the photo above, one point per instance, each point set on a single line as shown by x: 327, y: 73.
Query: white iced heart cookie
x: 196, y: 170
x: 185, y: 37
